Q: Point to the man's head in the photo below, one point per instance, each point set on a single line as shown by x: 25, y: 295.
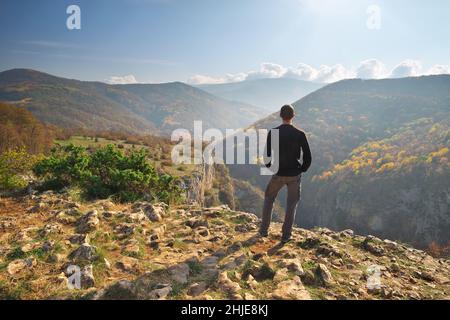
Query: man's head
x: 287, y: 113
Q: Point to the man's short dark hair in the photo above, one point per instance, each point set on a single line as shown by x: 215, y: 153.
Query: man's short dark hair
x: 287, y: 112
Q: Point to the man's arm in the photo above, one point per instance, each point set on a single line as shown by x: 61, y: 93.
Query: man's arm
x: 307, y: 158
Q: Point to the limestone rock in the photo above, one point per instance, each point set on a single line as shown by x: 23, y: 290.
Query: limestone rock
x: 160, y: 292
x: 121, y: 290
x: 227, y: 285
x: 84, y: 254
x: 128, y: 264
x: 293, y: 265
x: 179, y: 272
x: 197, y: 289
x: 88, y: 222
x: 291, y: 290
x: 324, y: 275
x: 87, y: 277
x: 18, y: 265
x: 79, y: 238
x: 50, y: 229
x: 155, y: 212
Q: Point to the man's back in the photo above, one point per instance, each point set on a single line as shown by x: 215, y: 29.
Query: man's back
x: 292, y: 142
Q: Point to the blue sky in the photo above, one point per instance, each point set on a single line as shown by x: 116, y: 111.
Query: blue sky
x: 212, y: 41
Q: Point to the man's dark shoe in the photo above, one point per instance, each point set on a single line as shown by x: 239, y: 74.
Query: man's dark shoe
x: 263, y: 234
x: 284, y: 240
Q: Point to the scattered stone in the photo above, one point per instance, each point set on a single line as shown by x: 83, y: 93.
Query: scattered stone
x: 390, y: 244
x: 310, y: 243
x: 50, y: 229
x: 29, y: 247
x: 38, y: 207
x: 87, y: 277
x: 291, y: 290
x: 124, y: 230
x: 328, y: 250
x: 249, y: 296
x: 155, y: 212
x: 260, y: 272
x: 280, y: 275
x: 160, y: 292
x: 157, y: 233
x: 122, y: 290
x: 197, y: 289
x: 202, y: 231
x: 195, y: 223
x: 109, y: 214
x: 79, y: 238
x: 88, y: 222
x: 179, y: 272
x: 324, y: 275
x: 19, y: 265
x: 64, y: 218
x: 131, y: 248
x: 293, y: 265
x: 84, y: 254
x: 226, y: 285
x: 370, y: 246
x: 48, y: 245
x: 424, y: 276
x: 128, y: 264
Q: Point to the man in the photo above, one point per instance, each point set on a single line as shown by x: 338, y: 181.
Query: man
x: 292, y: 143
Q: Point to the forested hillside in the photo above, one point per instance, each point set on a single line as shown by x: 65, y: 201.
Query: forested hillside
x: 138, y: 108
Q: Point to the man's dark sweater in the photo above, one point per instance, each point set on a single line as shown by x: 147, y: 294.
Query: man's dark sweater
x: 292, y: 143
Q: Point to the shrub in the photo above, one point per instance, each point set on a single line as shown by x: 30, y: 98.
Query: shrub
x: 106, y: 172
x: 14, y: 165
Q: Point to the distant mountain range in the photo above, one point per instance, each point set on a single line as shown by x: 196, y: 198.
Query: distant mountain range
x: 136, y: 108
x: 270, y: 94
x: 408, y: 121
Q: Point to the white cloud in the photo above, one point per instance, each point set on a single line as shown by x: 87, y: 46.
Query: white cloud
x: 268, y: 70
x: 228, y: 78
x: 334, y: 73
x: 366, y: 69
x: 371, y: 69
x: 407, y: 68
x: 438, y: 69
x: 129, y: 79
x: 302, y: 71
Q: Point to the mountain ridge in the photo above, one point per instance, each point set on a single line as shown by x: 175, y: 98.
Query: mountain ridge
x: 137, y: 108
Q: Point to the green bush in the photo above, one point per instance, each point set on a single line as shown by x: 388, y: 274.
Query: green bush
x: 106, y: 172
x: 14, y: 165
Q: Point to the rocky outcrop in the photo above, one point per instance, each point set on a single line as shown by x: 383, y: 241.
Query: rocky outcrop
x: 198, y: 182
x: 199, y: 253
x: 417, y: 212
